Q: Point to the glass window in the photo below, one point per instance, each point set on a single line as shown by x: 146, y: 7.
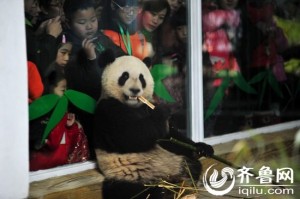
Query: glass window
x: 250, y: 64
x: 243, y: 58
x: 65, y: 41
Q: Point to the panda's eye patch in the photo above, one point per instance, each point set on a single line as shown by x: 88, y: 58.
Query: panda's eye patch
x: 123, y: 78
x: 142, y: 79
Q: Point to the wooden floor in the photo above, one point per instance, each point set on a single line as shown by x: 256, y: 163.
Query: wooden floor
x: 261, y: 150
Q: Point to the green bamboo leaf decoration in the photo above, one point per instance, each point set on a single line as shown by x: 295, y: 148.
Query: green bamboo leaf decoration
x: 160, y: 72
x: 227, y: 76
x: 258, y: 78
x: 222, y: 73
x: 217, y: 98
x: 266, y: 77
x: 162, y: 92
x: 240, y: 81
x: 58, y: 113
x: 47, y: 103
x: 42, y: 106
x: 81, y: 100
x: 274, y: 83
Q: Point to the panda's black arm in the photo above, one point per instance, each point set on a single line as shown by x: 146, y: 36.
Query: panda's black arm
x: 130, y: 130
x: 179, y: 136
x: 197, y: 149
x: 167, y: 143
x: 121, y: 113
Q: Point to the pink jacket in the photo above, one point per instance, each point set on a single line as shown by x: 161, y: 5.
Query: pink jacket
x: 219, y: 26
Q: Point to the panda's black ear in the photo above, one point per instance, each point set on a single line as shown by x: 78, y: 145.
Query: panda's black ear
x: 148, y: 61
x: 106, y: 57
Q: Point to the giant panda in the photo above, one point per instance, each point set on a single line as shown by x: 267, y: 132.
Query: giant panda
x: 131, y: 139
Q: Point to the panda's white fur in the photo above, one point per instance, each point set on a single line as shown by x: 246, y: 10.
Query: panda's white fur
x: 135, y: 67
x: 145, y: 167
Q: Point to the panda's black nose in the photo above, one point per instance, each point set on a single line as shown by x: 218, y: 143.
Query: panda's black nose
x: 135, y: 90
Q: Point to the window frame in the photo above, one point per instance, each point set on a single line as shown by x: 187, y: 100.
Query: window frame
x: 195, y: 81
x: 196, y: 118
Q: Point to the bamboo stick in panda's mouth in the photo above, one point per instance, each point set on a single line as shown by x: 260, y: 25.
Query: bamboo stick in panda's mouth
x: 145, y: 101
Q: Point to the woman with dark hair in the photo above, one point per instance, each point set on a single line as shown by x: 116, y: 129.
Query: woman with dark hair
x: 154, y: 14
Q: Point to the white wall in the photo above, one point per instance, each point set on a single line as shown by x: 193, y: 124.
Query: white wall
x: 14, y: 175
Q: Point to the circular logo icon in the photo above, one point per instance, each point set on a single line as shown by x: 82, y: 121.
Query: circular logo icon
x: 217, y: 187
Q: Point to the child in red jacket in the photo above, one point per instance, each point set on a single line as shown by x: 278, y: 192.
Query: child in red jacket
x: 66, y: 143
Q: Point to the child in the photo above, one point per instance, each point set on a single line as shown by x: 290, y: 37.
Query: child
x: 175, y: 56
x: 167, y: 29
x: 62, y: 58
x: 121, y: 16
x: 175, y: 5
x: 178, y: 23
x: 66, y: 143
x: 83, y: 72
x: 221, y: 26
x: 63, y: 54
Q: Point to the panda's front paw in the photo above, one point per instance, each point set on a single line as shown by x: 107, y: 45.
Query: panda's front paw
x: 203, y: 149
